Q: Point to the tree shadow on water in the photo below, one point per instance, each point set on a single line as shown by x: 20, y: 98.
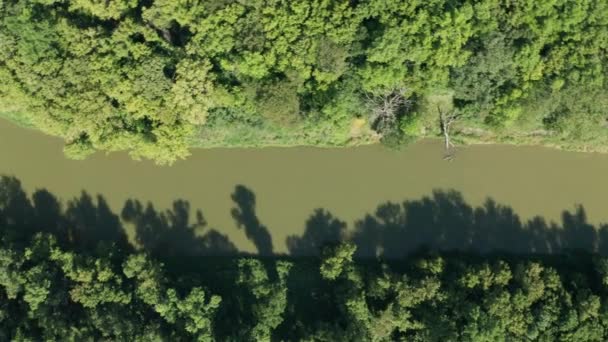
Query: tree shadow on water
x: 171, y: 234
x: 445, y: 222
x: 92, y: 222
x: 322, y: 229
x: 16, y: 212
x: 87, y: 224
x: 245, y: 216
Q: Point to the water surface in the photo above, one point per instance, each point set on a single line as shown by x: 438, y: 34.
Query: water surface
x: 288, y: 184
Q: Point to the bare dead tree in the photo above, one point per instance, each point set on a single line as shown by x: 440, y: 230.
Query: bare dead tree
x: 446, y: 119
x: 385, y: 108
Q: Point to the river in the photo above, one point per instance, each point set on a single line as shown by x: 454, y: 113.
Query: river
x: 288, y: 184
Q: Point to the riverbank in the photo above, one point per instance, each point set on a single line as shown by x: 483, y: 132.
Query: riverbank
x: 537, y: 137
x: 349, y: 185
x: 356, y: 132
x: 15, y: 117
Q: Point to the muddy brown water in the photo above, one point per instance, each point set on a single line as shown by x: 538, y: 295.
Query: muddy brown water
x: 290, y: 183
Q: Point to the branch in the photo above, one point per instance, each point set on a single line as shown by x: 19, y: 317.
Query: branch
x: 445, y: 121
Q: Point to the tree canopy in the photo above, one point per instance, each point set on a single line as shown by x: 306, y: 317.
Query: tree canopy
x: 156, y: 77
x: 56, y: 293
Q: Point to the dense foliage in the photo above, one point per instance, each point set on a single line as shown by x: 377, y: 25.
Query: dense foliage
x: 155, y: 77
x: 57, y: 293
x: 70, y: 274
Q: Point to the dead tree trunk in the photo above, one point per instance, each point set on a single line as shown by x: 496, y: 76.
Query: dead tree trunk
x: 385, y: 108
x: 445, y: 122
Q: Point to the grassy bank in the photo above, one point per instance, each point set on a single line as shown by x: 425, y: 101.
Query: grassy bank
x: 16, y: 118
x: 585, y: 131
x: 347, y: 133
x: 358, y: 133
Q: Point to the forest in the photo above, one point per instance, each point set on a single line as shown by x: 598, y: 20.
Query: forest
x: 68, y: 272
x: 158, y: 77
